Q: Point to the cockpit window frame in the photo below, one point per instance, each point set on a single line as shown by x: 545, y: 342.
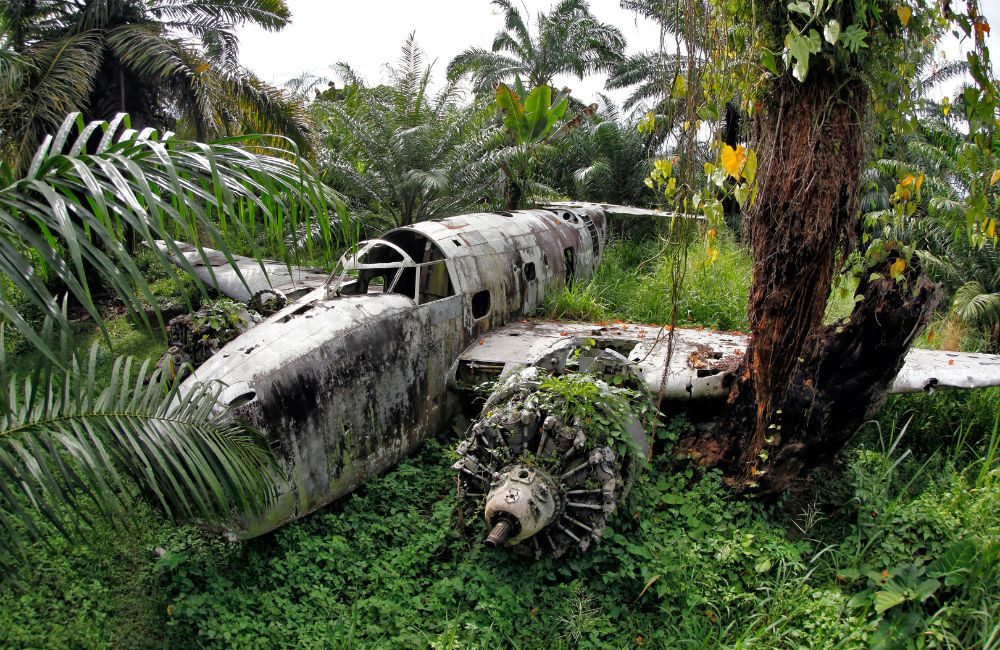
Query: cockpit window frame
x: 349, y: 262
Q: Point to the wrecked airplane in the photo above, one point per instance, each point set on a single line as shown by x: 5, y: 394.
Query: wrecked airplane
x: 361, y: 366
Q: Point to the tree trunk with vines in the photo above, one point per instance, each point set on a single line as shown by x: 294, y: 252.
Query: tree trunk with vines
x: 804, y: 387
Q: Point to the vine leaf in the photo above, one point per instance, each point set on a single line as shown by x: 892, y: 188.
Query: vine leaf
x: 832, y: 32
x: 897, y: 267
x: 904, y: 14
x: 854, y: 38
x: 734, y: 160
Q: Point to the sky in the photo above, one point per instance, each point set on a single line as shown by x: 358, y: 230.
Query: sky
x: 369, y: 33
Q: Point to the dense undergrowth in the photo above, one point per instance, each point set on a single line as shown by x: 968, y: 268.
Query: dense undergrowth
x: 896, y: 545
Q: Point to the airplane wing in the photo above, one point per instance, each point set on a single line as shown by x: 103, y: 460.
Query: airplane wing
x: 699, y: 364
x: 219, y: 274
x: 624, y: 210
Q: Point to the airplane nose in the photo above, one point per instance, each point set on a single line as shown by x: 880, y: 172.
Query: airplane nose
x: 520, y: 503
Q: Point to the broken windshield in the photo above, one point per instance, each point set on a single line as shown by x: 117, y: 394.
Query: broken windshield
x: 375, y: 262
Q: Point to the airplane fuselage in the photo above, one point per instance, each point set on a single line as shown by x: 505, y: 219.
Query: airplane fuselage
x: 351, y: 377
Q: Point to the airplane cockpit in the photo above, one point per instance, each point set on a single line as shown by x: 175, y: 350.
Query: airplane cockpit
x: 390, y: 265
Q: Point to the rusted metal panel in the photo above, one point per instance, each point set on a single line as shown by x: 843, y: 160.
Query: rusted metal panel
x: 342, y: 388
x: 345, y: 385
x: 929, y: 369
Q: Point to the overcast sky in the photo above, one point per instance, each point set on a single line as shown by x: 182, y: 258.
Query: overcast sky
x: 369, y: 33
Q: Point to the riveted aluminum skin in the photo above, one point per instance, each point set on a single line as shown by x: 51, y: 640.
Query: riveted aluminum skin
x: 344, y: 386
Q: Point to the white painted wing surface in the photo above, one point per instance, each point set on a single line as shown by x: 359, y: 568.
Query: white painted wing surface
x: 267, y: 274
x: 701, y: 358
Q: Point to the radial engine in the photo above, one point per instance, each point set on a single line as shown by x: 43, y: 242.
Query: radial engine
x: 553, y: 454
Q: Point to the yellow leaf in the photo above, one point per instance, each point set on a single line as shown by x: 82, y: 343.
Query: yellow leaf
x: 897, y: 267
x: 907, y: 181
x: 995, y: 177
x: 991, y: 228
x: 920, y: 182
x: 904, y: 14
x: 733, y: 160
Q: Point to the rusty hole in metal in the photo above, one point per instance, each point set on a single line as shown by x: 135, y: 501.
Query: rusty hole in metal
x: 456, y: 242
x: 297, y: 312
x: 241, y: 399
x: 529, y: 271
x: 480, y: 304
x: 568, y: 258
x: 504, y: 213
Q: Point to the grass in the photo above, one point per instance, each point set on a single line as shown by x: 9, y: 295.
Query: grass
x: 912, y: 508
x: 633, y: 283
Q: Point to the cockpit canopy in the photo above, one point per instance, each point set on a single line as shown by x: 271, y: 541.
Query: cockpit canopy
x: 387, y: 266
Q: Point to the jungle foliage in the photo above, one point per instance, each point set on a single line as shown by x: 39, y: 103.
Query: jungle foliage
x: 404, y: 151
x: 894, y: 545
x: 169, y: 64
x: 890, y: 543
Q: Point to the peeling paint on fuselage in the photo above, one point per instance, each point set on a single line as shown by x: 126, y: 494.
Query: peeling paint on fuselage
x: 344, y: 386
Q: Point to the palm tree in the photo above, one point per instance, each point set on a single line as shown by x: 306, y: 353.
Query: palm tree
x: 402, y: 151
x: 605, y: 159
x: 568, y: 40
x: 950, y: 171
x: 170, y: 64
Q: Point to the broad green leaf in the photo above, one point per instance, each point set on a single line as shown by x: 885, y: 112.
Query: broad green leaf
x: 832, y: 32
x: 926, y: 589
x: 510, y: 103
x: 801, y: 7
x: 887, y: 599
x: 955, y: 563
x: 742, y: 193
x: 767, y: 60
x: 815, y: 41
x: 799, y: 49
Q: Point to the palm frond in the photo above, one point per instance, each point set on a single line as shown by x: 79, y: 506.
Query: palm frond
x: 975, y: 306
x: 65, y: 441
x: 168, y: 62
x: 269, y: 14
x: 73, y: 208
x: 53, y: 79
